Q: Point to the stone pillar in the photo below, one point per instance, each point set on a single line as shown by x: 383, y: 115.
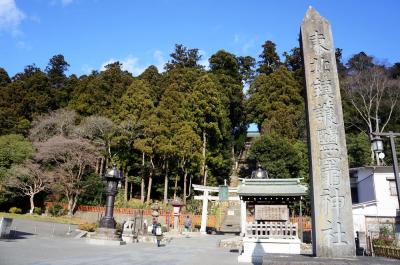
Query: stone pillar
x: 203, y: 225
x: 176, y: 218
x: 332, y: 218
x: 242, y: 218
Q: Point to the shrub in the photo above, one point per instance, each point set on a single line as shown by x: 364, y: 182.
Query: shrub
x: 15, y: 210
x: 193, y: 206
x: 135, y: 204
x: 118, y: 228
x: 383, y: 241
x: 90, y: 227
x: 56, y: 210
x: 37, y: 210
x: 119, y: 199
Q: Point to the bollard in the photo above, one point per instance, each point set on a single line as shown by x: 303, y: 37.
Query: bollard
x: 69, y: 230
x: 54, y: 227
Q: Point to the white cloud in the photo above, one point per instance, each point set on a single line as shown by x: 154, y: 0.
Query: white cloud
x: 245, y: 43
x: 129, y: 64
x: 160, y: 61
x: 86, y: 69
x: 10, y: 17
x: 204, y: 60
x: 23, y: 45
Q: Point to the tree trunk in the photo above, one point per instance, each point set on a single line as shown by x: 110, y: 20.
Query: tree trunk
x: 150, y: 180
x: 203, y: 162
x: 205, y: 177
x: 129, y: 190
x: 142, y: 182
x: 101, y: 167
x: 31, y: 197
x: 71, y: 206
x: 142, y: 190
x: 75, y: 201
x: 132, y: 189
x: 125, y: 186
x: 97, y: 170
x: 149, y: 186
x: 184, y: 186
x: 166, y: 184
x: 175, y: 186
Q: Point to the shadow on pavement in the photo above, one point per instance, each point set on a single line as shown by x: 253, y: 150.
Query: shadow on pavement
x: 14, y: 235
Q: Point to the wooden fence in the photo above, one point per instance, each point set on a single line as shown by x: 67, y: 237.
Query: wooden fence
x: 283, y: 230
x: 386, y: 251
x: 212, y: 220
x: 305, y: 220
x: 167, y: 214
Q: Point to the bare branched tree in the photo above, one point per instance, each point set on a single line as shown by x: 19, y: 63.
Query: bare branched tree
x: 59, y: 122
x: 98, y: 130
x: 374, y: 96
x: 72, y: 159
x: 29, y: 179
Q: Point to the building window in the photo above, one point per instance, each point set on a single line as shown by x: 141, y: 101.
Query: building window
x: 392, y: 186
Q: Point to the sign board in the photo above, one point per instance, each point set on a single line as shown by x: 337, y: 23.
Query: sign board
x: 223, y: 194
x: 271, y: 212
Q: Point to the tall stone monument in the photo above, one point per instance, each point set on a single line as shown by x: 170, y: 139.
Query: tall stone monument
x: 331, y: 198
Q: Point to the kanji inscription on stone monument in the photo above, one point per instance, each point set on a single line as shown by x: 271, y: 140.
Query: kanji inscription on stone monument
x: 332, y: 213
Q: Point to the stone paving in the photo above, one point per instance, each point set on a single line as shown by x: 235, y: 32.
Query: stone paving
x: 42, y: 243
x: 47, y: 248
x: 281, y: 259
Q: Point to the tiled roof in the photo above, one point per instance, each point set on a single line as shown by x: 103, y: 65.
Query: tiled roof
x: 271, y: 187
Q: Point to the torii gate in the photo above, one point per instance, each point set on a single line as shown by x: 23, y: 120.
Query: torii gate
x: 205, y: 197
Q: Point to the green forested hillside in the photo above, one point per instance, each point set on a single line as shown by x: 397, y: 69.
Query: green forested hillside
x: 186, y: 124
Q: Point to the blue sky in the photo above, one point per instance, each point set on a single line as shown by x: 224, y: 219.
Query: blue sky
x: 91, y: 33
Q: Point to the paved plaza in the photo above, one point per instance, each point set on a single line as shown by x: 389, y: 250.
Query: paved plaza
x: 51, y: 246
x: 43, y: 243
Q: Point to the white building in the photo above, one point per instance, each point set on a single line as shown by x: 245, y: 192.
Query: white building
x: 374, y: 198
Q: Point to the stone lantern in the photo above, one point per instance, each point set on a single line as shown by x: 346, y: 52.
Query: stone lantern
x: 113, y: 177
x: 177, y: 204
x: 106, y: 234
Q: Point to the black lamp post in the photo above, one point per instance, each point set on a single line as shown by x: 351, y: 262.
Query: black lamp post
x: 377, y: 146
x: 113, y: 176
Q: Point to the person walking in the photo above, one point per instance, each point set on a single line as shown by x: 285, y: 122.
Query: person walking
x: 187, y: 223
x: 158, y: 233
x: 153, y: 226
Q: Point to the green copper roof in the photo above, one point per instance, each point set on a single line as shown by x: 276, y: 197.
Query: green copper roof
x: 271, y: 187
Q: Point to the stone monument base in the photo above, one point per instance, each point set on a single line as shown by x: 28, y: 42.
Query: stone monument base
x: 5, y: 227
x: 280, y: 259
x: 129, y: 239
x: 255, y: 249
x: 106, y: 237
